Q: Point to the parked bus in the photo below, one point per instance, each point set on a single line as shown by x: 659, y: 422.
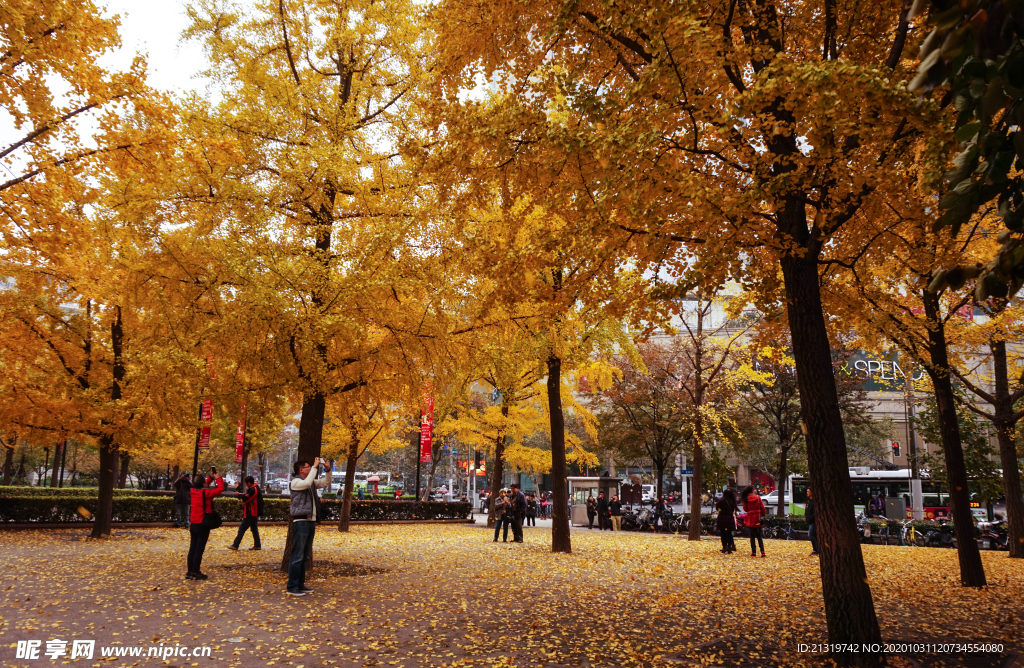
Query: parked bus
x: 891, y: 484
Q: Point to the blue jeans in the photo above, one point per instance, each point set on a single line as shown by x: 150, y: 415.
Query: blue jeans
x: 302, y: 534
x: 497, y: 527
x: 812, y: 535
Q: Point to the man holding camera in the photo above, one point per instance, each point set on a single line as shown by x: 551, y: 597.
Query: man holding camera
x: 305, y: 511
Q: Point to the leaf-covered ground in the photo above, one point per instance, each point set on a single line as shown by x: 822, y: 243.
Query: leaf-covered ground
x: 437, y: 595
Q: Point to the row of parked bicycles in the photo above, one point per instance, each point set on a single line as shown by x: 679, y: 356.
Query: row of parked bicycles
x: 990, y: 535
x: 645, y: 520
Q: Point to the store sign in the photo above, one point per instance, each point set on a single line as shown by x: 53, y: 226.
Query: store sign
x: 878, y: 374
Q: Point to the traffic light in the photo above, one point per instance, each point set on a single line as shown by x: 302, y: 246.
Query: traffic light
x: 895, y: 448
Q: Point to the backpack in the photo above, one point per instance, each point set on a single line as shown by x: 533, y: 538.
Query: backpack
x: 259, y: 502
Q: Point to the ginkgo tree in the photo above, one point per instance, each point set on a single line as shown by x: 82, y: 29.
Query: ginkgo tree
x: 752, y: 132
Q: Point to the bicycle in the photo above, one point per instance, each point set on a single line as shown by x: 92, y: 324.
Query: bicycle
x: 910, y: 536
x: 785, y: 531
x: 890, y: 533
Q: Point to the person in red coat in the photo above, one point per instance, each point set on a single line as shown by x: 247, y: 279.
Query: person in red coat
x: 202, y: 503
x: 754, y: 506
x: 250, y: 514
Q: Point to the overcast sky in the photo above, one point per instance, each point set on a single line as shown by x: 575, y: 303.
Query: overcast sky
x: 154, y: 28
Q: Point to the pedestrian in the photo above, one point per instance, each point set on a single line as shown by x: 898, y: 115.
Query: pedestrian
x: 812, y: 529
x: 199, y: 531
x: 754, y: 506
x: 305, y: 511
x: 182, y: 500
x: 252, y: 500
x: 517, y: 501
x: 398, y: 494
x: 726, y: 521
x: 615, y: 513
x: 464, y: 499
x: 602, y: 512
x: 502, y: 516
x: 591, y: 510
x: 359, y: 492
x: 543, y: 506
x: 659, y: 515
x: 531, y: 511
x: 878, y: 506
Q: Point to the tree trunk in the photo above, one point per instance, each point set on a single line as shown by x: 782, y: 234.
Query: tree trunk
x: 350, y: 480
x: 74, y: 466
x: 499, y: 467
x: 1004, y: 424
x: 107, y: 481
x: 560, y: 540
x: 783, y: 474
x: 311, y: 431
x: 122, y: 476
x: 849, y: 608
x: 55, y: 475
x: 972, y: 571
x: 20, y: 474
x: 245, y: 459
x: 435, y: 451
x: 262, y: 459
x: 46, y: 465
x: 108, y: 443
x: 8, y: 464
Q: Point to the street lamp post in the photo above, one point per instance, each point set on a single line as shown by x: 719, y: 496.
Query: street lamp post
x: 916, y: 497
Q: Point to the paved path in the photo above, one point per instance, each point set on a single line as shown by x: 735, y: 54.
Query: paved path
x: 431, y: 596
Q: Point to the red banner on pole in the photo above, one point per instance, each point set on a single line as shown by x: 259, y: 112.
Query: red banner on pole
x: 426, y: 437
x: 205, y: 415
x: 427, y: 423
x: 240, y: 438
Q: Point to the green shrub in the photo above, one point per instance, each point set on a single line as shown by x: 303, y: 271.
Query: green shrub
x: 61, y: 507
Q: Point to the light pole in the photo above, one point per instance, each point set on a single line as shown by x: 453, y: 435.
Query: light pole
x: 291, y: 451
x: 916, y: 497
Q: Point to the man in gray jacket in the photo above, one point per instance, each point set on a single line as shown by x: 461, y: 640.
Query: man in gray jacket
x: 305, y: 507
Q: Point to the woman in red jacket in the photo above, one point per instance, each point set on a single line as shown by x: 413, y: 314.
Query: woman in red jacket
x: 202, y: 503
x: 754, y: 506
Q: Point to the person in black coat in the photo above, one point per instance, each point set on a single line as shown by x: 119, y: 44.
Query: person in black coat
x: 531, y: 510
x: 660, y: 515
x: 603, y: 516
x: 615, y: 513
x: 726, y: 522
x: 518, y: 507
x: 182, y: 499
x: 812, y: 530
x: 591, y: 511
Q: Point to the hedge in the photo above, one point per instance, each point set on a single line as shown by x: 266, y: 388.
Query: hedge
x: 84, y: 492
x: 63, y: 508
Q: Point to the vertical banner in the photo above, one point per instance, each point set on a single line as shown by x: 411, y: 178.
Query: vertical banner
x: 427, y: 423
x: 205, y: 416
x: 240, y: 438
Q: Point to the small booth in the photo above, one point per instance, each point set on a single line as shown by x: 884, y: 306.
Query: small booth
x: 375, y: 481
x: 581, y: 487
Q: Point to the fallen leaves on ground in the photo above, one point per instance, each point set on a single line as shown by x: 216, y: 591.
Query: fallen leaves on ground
x: 443, y: 595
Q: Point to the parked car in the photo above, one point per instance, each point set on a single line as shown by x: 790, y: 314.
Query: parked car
x: 771, y: 500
